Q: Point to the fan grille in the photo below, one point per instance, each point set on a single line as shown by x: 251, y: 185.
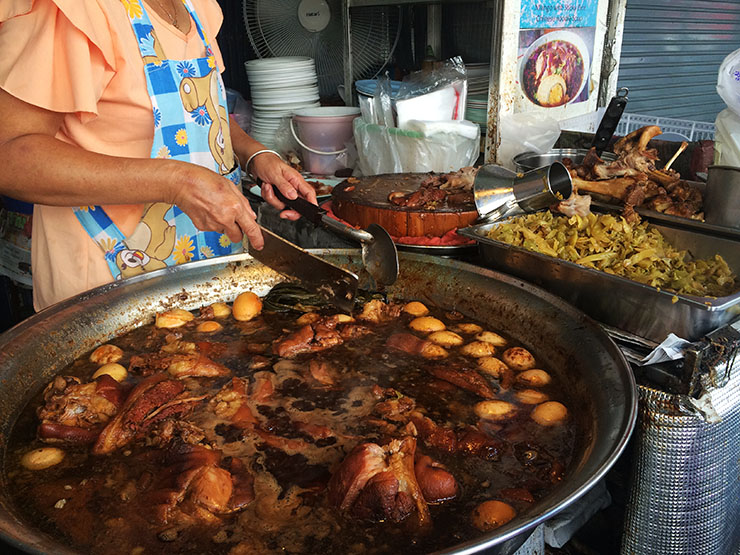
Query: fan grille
x: 274, y: 29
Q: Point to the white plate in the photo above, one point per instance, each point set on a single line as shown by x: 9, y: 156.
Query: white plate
x: 279, y: 60
x: 272, y: 84
x: 285, y: 103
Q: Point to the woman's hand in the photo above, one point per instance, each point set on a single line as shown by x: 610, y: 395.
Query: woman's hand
x: 215, y: 204
x: 275, y: 173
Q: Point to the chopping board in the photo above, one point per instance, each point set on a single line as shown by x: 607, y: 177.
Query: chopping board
x: 362, y: 201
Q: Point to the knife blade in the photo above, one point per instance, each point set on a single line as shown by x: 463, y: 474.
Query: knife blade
x: 336, y: 285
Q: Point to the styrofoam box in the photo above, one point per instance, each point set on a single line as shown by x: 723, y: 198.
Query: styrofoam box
x: 679, y: 128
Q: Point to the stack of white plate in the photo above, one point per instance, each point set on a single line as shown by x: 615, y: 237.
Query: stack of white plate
x: 476, y: 110
x: 478, y: 76
x: 279, y: 86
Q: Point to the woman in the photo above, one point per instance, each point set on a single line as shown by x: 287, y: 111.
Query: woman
x: 115, y: 126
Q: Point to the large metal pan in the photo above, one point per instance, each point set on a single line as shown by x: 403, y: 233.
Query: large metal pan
x: 586, y: 361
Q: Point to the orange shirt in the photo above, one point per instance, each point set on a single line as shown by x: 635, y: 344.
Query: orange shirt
x: 81, y: 58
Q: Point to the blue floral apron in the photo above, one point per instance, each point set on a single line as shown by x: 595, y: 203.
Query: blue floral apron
x: 191, y: 124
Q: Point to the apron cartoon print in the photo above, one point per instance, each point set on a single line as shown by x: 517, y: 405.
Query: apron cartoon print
x: 190, y: 124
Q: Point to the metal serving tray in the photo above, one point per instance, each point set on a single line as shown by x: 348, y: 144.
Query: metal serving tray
x: 620, y: 302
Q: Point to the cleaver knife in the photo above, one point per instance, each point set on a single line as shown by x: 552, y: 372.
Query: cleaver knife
x: 336, y: 285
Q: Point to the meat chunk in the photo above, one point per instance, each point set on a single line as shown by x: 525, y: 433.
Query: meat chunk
x: 199, y: 476
x: 436, y: 482
x: 433, y: 435
x: 310, y: 338
x: 76, y: 412
x: 464, y: 378
x: 377, y: 312
x: 180, y: 360
x: 468, y: 441
x: 439, y: 190
x: 379, y: 483
x: 392, y: 405
x: 154, y: 399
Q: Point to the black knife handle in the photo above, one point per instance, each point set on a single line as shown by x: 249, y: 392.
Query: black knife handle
x: 309, y: 211
x: 610, y: 120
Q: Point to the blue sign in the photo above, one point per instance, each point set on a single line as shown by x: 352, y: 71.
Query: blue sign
x: 551, y: 14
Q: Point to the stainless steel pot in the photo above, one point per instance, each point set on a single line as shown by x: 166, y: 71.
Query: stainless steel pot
x: 586, y: 361
x: 527, y: 161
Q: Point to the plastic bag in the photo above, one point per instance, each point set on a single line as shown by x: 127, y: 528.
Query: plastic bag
x: 383, y: 103
x: 240, y: 109
x: 436, y: 95
x: 525, y: 132
x: 728, y: 81
x: 429, y: 147
x: 727, y: 124
x: 727, y: 138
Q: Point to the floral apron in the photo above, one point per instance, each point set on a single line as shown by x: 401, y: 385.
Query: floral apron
x: 190, y: 124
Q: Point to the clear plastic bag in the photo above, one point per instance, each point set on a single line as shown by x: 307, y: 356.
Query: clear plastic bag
x: 728, y: 81
x: 525, y: 132
x: 727, y: 124
x: 436, y: 95
x: 444, y: 147
x: 240, y: 109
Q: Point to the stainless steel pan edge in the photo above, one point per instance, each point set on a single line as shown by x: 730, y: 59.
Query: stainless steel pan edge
x: 579, y: 352
x: 625, y: 304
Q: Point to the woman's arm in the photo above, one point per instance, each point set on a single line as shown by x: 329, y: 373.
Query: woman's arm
x: 272, y: 171
x: 39, y: 168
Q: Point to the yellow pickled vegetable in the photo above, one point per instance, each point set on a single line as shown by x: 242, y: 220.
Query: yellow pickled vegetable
x: 609, y: 243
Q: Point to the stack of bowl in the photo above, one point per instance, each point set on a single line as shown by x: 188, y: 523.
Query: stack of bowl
x: 478, y: 77
x: 476, y: 110
x: 278, y: 87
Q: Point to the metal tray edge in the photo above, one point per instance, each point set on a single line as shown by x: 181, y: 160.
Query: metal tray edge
x: 709, y: 304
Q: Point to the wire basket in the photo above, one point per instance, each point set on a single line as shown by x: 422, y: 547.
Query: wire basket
x: 678, y: 129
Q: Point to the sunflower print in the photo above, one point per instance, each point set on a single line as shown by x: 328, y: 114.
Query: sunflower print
x: 224, y: 240
x: 185, y: 69
x: 211, y: 60
x: 163, y: 152
x: 133, y: 8
x: 157, y: 117
x: 183, y: 251
x: 181, y: 137
x: 200, y: 115
x: 206, y: 252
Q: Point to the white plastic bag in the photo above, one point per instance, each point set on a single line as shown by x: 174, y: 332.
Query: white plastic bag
x: 430, y: 147
x: 728, y: 81
x: 525, y: 132
x: 727, y: 124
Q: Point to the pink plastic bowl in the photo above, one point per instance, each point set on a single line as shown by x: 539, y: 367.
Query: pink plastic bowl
x: 322, y: 133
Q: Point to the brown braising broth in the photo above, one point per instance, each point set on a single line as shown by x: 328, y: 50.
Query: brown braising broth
x: 97, y: 504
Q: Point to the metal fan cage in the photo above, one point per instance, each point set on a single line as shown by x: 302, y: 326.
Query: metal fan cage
x: 274, y: 29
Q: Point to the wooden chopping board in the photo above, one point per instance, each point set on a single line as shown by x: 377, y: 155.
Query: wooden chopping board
x: 363, y: 201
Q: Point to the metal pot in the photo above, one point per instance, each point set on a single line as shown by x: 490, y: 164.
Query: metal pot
x: 585, y: 360
x: 527, y: 161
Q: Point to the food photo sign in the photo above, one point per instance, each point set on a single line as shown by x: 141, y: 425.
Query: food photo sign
x: 550, y: 55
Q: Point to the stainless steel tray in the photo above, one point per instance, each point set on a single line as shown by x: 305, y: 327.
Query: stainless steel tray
x: 625, y: 304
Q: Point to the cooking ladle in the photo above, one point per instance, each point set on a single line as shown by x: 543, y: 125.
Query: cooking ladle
x: 379, y: 255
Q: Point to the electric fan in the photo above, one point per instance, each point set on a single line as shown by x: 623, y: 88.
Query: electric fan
x: 314, y: 28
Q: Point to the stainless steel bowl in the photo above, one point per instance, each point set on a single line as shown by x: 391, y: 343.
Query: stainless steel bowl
x: 527, y: 161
